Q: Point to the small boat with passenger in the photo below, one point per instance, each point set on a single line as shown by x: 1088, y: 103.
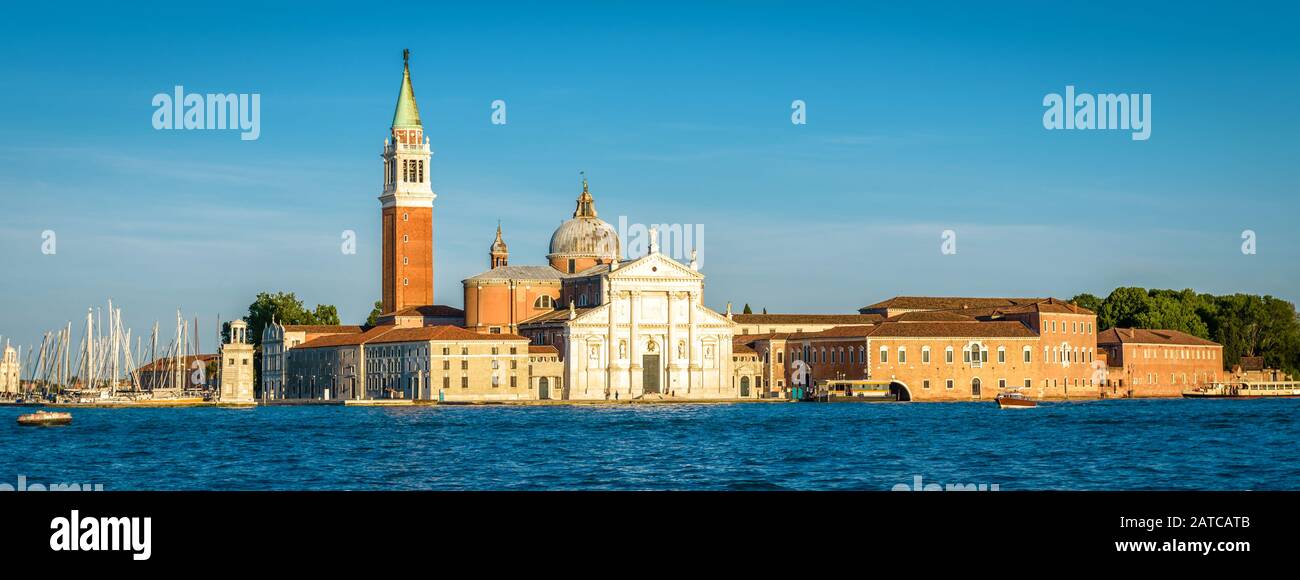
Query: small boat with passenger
x: 1014, y: 399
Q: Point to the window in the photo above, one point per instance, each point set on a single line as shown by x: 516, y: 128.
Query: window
x: 925, y: 354
x: 544, y: 301
x: 405, y: 260
x: 902, y: 355
x: 1027, y: 383
x: 405, y: 238
x: 925, y: 384
x: 1002, y: 383
x: 446, y: 382
x: 780, y: 357
x: 1027, y: 355
x: 947, y: 355
x: 406, y: 281
x: 1002, y: 354
x: 406, y: 217
x: 948, y: 384
x: 513, y: 382
x: 884, y: 355
x: 464, y: 382
x: 464, y: 365
x: 496, y: 381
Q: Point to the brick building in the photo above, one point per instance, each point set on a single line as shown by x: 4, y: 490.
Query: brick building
x: 1158, y: 363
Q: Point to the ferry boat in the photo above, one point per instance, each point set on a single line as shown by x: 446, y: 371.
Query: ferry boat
x: 846, y: 391
x: 43, y: 417
x: 1013, y: 399
x: 1244, y: 390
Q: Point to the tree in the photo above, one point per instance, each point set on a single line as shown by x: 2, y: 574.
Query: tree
x: 1088, y: 301
x: 1122, y: 308
x: 1245, y: 324
x: 747, y: 309
x: 1165, y: 311
x: 373, y: 319
x: 284, y: 308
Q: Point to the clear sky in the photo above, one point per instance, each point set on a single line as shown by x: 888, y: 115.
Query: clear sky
x: 920, y: 118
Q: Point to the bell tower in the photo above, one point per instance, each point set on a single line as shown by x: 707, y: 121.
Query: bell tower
x: 407, y: 205
x: 500, y: 253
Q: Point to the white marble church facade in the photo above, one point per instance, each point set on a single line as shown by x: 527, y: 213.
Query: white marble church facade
x: 645, y: 333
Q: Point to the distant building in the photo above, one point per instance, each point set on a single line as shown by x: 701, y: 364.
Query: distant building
x: 9, y: 381
x: 236, y: 381
x: 177, y: 374
x: 1158, y: 363
x: 278, y: 339
x: 444, y: 363
x: 1045, y: 348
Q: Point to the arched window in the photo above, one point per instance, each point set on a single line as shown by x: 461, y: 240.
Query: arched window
x: 975, y: 387
x: 544, y: 301
x: 862, y: 355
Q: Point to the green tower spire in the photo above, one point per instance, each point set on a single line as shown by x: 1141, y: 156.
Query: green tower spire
x: 407, y: 115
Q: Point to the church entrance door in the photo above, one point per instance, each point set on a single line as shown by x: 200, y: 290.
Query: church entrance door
x: 650, y: 373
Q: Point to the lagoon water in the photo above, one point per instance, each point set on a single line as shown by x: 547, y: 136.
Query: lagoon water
x: 1101, y: 445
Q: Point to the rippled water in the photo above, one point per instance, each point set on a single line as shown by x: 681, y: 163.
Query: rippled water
x: 1164, y: 444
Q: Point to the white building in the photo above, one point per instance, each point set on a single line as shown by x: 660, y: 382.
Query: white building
x: 9, y: 385
x: 236, y: 384
x: 642, y: 331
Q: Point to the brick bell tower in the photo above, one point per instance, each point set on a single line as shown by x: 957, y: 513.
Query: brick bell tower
x: 407, y: 206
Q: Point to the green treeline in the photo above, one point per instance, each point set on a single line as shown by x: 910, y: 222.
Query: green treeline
x: 1245, y: 324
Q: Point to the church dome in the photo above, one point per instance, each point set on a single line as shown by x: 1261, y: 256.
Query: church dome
x: 585, y: 236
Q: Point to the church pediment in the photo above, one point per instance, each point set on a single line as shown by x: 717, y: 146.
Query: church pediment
x: 655, y: 266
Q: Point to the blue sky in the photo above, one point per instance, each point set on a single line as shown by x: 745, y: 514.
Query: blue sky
x: 920, y: 119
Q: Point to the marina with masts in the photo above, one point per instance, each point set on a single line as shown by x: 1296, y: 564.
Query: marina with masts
x: 109, y: 365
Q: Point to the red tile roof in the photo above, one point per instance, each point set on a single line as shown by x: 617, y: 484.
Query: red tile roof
x: 931, y: 316
x: 322, y: 328
x: 164, y: 364
x: 331, y: 340
x: 1049, y: 305
x: 806, y: 318
x: 431, y: 310
x: 991, y: 329
x: 946, y: 302
x: 542, y: 349
x: 439, y: 333
x: 1147, y: 336
x: 858, y: 331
